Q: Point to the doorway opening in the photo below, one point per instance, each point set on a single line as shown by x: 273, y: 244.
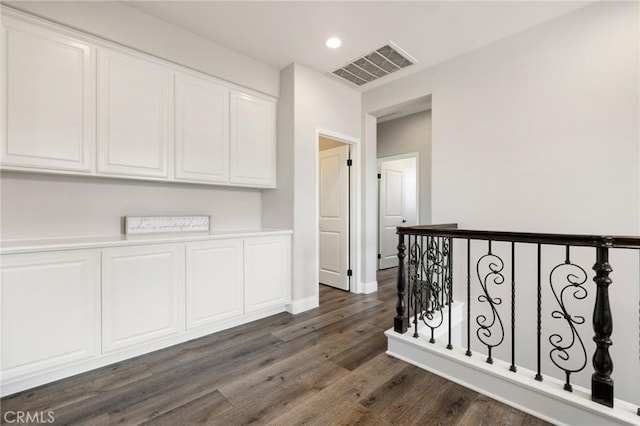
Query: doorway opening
x: 335, y: 213
x: 398, y: 132
x: 398, y: 203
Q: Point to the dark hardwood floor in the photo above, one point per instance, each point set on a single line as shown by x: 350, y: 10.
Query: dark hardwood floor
x: 323, y: 367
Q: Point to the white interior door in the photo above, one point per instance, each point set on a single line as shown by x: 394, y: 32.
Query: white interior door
x: 397, y: 205
x: 334, y: 217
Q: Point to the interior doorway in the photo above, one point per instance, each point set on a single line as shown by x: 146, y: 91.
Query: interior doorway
x: 335, y: 213
x: 398, y: 201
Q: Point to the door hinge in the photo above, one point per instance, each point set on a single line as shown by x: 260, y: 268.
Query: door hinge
x: 379, y: 256
x: 349, y: 162
x: 349, y: 272
x: 379, y: 176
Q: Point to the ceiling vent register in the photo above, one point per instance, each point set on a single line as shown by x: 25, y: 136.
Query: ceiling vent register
x: 374, y: 65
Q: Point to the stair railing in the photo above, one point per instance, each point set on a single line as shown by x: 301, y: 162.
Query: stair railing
x: 425, y: 294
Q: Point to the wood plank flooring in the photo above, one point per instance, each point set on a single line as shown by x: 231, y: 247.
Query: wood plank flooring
x: 323, y: 367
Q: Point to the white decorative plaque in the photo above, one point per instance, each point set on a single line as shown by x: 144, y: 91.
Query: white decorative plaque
x: 153, y: 224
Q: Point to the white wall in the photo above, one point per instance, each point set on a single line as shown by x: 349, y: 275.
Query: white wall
x: 541, y: 132
x: 546, y: 108
x: 122, y: 24
x: 278, y: 203
x: 43, y: 206
x: 318, y: 103
x: 410, y: 134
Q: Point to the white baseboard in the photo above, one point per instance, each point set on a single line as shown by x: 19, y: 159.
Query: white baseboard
x: 546, y: 400
x: 302, y: 305
x: 368, y: 287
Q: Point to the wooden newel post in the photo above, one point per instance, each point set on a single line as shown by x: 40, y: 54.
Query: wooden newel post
x: 601, y: 381
x: 400, y: 322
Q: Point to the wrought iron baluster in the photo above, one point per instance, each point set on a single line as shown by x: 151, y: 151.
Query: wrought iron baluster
x: 513, y: 308
x: 490, y: 331
x: 468, y: 352
x: 411, y: 278
x: 432, y: 314
x: 448, y: 252
x: 539, y: 318
x: 601, y: 381
x: 400, y: 323
x: 440, y: 273
x: 417, y: 288
x: 409, y: 274
x: 574, y: 278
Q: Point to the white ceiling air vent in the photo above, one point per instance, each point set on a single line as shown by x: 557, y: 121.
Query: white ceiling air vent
x: 375, y: 65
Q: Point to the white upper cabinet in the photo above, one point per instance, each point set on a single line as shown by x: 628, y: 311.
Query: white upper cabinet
x: 48, y: 99
x: 134, y: 106
x: 201, y: 130
x: 253, y: 141
x: 72, y: 103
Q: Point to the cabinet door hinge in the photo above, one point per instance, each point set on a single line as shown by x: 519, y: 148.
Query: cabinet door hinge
x: 349, y: 272
x: 349, y: 162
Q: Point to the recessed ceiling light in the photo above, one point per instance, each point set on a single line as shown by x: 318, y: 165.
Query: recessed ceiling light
x: 333, y: 43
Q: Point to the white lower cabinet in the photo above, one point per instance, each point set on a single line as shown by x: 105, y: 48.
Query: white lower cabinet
x: 142, y: 294
x: 214, y: 282
x: 67, y: 311
x: 50, y: 310
x: 267, y: 273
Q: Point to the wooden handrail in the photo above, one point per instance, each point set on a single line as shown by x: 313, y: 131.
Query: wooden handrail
x: 451, y: 230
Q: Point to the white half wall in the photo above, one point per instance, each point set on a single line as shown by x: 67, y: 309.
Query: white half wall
x: 117, y: 22
x: 540, y: 132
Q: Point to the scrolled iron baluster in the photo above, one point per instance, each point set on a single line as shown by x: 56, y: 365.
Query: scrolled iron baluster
x: 414, y: 266
x: 485, y: 331
x: 431, y: 306
x: 446, y: 270
x: 574, y: 277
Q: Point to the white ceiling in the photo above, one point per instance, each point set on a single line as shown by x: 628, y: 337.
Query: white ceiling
x: 279, y: 33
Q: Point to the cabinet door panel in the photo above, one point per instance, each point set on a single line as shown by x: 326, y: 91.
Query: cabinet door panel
x: 202, y: 130
x: 141, y: 294
x: 134, y: 128
x: 49, y: 311
x: 48, y: 99
x: 253, y: 143
x: 214, y: 281
x: 267, y: 272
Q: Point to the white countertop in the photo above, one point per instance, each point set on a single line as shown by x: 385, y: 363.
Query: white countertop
x: 73, y: 243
